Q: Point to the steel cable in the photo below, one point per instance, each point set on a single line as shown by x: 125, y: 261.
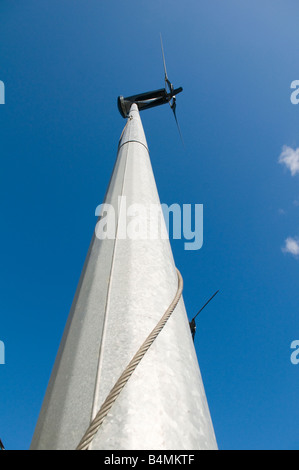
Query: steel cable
x: 123, y: 379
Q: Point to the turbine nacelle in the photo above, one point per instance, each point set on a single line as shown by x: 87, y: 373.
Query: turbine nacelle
x: 148, y: 100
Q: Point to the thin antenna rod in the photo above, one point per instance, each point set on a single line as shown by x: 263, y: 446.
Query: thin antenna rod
x: 192, y: 323
x: 205, y: 304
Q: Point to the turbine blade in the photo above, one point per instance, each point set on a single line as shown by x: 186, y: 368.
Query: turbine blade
x: 173, y: 107
x: 165, y: 71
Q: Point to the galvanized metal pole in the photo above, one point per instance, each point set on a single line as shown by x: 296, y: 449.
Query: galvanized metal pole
x: 125, y: 287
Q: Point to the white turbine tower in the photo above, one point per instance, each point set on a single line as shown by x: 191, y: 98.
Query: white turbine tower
x: 125, y: 288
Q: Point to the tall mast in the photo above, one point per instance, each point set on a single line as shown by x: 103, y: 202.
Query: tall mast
x: 125, y: 287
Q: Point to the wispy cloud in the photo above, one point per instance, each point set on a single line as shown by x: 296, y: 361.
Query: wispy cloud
x: 291, y: 246
x: 290, y: 158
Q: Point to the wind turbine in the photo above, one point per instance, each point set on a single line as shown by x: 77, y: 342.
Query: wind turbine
x: 126, y: 376
x: 151, y: 99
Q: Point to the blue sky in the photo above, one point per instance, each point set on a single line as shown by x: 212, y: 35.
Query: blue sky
x: 64, y: 63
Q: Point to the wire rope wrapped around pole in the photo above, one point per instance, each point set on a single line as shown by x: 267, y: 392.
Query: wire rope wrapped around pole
x: 123, y: 379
